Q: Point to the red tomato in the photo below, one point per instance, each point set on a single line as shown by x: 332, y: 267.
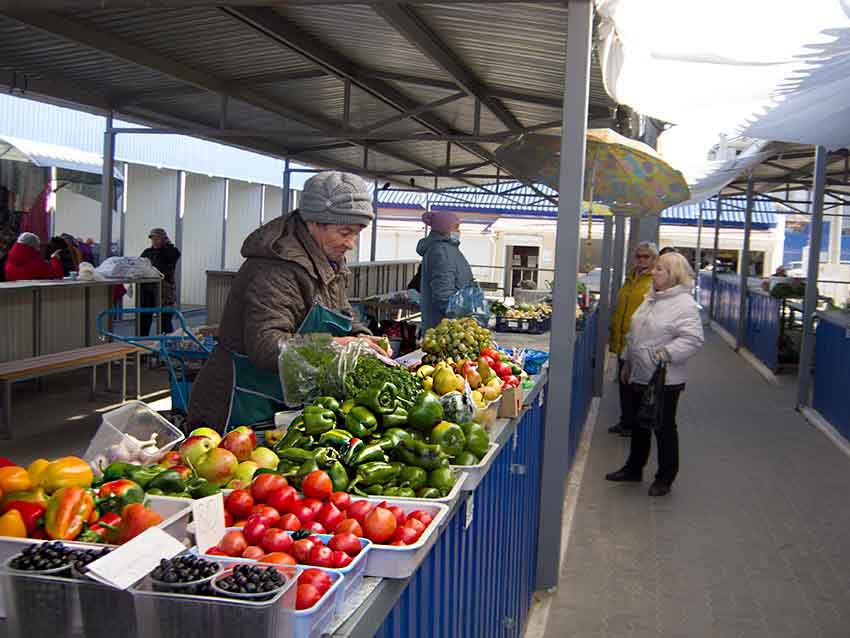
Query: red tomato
x: 239, y: 503
x: 282, y: 499
x: 317, y: 540
x: 502, y: 369
x: 276, y: 540
x: 255, y: 528
x: 405, y: 534
x: 269, y: 512
x: 301, y: 549
x: 228, y: 519
x: 279, y: 558
x: 424, y: 517
x: 341, y: 559
x: 346, y: 542
x: 321, y: 556
x: 289, y: 522
x: 313, y: 503
x: 380, y: 525
x: 253, y: 552
x: 511, y: 381
x: 214, y: 551
x: 304, y: 514
x: 306, y: 596
x: 329, y: 516
x: 349, y: 525
x: 398, y: 544
x: 239, y: 524
x: 492, y: 353
x: 416, y: 525
x: 359, y: 510
x: 317, y: 578
x: 233, y: 543
x: 264, y: 484
x: 316, y: 527
x: 317, y: 484
x: 400, y: 516
x: 341, y: 499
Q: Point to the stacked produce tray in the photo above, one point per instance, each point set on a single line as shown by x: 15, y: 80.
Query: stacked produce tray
x: 524, y: 326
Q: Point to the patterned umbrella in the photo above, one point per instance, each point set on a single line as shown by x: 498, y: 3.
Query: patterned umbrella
x: 626, y: 175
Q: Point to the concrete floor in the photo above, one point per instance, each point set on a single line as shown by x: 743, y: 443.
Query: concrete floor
x: 753, y: 540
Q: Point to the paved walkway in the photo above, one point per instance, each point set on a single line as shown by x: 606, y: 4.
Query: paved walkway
x: 754, y: 540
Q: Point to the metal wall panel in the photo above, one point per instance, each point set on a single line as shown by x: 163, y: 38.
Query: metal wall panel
x: 244, y: 203
x: 203, y: 220
x: 151, y: 203
x: 61, y: 319
x: 17, y: 317
x: 272, y: 203
x: 832, y: 374
x: 762, y: 336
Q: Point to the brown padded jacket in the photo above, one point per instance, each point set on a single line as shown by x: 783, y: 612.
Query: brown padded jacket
x: 284, y: 273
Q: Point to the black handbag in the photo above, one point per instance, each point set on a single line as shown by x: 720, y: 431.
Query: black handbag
x: 651, y: 405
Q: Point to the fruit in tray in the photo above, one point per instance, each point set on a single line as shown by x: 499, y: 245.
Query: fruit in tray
x: 532, y: 312
x: 312, y: 585
x: 456, y: 338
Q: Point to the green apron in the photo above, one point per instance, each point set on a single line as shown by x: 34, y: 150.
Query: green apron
x: 257, y: 394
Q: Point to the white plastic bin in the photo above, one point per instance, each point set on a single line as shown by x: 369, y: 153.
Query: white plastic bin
x: 311, y: 623
x: 476, y: 473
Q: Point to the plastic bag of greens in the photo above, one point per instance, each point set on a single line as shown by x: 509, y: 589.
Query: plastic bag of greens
x: 469, y: 301
x: 315, y: 365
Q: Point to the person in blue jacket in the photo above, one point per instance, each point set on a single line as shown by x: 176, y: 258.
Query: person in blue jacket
x: 445, y: 270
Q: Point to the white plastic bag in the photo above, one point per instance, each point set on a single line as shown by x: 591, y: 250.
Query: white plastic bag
x: 86, y: 271
x: 127, y: 268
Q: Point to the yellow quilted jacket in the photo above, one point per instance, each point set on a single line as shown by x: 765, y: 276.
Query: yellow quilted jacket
x: 628, y: 299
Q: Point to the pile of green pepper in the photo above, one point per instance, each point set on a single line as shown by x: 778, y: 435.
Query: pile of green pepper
x: 159, y: 480
x: 378, y: 444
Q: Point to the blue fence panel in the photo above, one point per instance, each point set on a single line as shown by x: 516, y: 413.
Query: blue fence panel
x: 832, y: 375
x: 726, y: 305
x: 762, y: 338
x: 705, y: 285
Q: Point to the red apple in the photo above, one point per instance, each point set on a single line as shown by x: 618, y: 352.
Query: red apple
x: 217, y: 466
x: 192, y: 449
x: 249, y: 432
x: 239, y: 443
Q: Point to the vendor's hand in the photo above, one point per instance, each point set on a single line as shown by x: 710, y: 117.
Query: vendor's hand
x: 625, y: 373
x: 369, y: 340
x: 56, y: 253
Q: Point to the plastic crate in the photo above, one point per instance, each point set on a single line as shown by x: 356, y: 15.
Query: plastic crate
x: 311, y: 623
x: 524, y: 326
x: 447, y: 500
x: 476, y: 473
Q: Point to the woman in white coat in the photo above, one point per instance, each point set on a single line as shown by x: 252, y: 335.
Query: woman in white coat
x: 666, y: 326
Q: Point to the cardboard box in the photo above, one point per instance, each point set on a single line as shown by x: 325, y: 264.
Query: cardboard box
x: 511, y: 404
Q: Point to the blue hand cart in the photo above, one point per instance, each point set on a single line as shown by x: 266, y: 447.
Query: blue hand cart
x: 182, y: 354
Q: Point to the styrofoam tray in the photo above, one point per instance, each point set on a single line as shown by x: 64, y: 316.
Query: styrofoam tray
x: 447, y: 500
x: 389, y: 561
x: 311, y: 623
x: 476, y: 473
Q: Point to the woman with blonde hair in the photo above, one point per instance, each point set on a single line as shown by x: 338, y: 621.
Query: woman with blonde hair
x: 666, y: 327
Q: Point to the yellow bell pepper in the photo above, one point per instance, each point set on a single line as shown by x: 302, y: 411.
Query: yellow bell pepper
x: 36, y: 469
x: 69, y: 471
x: 12, y: 524
x: 14, y: 479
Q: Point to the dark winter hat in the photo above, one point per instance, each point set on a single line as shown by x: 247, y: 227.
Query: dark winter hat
x: 333, y: 197
x: 158, y: 232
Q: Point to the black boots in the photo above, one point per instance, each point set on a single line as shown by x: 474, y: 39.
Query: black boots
x: 624, y: 475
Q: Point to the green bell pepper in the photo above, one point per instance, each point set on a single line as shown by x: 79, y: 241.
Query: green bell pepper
x: 397, y: 435
x: 201, y: 487
x: 374, y: 490
x: 406, y: 492
x: 477, y: 439
x: 337, y: 439
x: 306, y: 467
x: 442, y: 479
x: 380, y: 399
x: 399, y: 467
x: 155, y: 492
x: 179, y: 494
x: 294, y: 437
x: 428, y: 457
x: 368, y: 454
x: 354, y: 447
x: 295, y: 455
x: 395, y: 419
x: 144, y: 474
x: 450, y: 437
x: 318, y: 420
x: 428, y: 492
x: 425, y: 413
x: 466, y: 458
x: 413, y: 477
x: 391, y: 491
x: 117, y: 470
x: 346, y: 406
x: 325, y: 457
x: 360, y: 421
x: 375, y: 473
x: 168, y: 481
x: 328, y: 402
x: 338, y: 476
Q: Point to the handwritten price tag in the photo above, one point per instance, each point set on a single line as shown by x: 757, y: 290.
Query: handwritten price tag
x: 208, y: 515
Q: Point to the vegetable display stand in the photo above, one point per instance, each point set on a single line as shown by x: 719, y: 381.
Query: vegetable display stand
x: 448, y: 500
x: 40, y: 604
x: 476, y: 473
x: 106, y: 611
x: 524, y: 326
x: 311, y: 623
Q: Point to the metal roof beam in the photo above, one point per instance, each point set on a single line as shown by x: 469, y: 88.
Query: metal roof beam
x: 419, y: 110
x: 404, y: 20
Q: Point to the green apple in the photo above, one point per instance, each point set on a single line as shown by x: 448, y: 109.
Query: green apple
x: 209, y: 432
x: 264, y: 457
x: 194, y: 448
x: 245, y: 471
x: 218, y: 466
x: 238, y: 484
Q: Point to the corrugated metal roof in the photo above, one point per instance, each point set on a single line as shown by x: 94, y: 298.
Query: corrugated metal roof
x: 515, y: 200
x: 51, y: 155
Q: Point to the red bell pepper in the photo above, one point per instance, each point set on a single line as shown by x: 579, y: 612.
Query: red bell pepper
x: 31, y: 513
x: 135, y: 519
x: 115, y: 495
x: 97, y: 532
x: 4, y: 462
x: 68, y: 509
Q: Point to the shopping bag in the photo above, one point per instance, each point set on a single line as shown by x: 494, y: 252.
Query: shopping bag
x: 651, y: 405
x: 469, y: 301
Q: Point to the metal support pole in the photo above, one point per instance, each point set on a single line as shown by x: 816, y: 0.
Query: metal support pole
x: 374, y: 247
x: 698, y: 252
x: 804, y: 378
x: 178, y: 239
x: 604, y: 307
x: 224, y: 223
x: 619, y: 256
x: 284, y: 205
x: 562, y: 343
x: 107, y: 192
x: 743, y: 285
x: 712, y: 303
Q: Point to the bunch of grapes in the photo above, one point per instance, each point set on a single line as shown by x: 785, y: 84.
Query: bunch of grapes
x: 455, y: 338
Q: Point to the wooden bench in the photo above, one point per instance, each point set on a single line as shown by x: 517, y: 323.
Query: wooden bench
x: 37, y: 367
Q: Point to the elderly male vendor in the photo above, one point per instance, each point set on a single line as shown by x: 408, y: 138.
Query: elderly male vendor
x: 293, y: 281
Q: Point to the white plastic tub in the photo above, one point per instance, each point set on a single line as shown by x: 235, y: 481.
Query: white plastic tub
x: 311, y: 623
x: 447, y: 500
x: 388, y: 561
x: 476, y: 473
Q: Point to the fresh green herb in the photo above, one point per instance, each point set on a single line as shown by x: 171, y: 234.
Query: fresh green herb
x: 370, y: 372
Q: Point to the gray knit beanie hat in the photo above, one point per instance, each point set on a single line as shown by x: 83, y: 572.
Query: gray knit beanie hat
x: 30, y: 239
x: 333, y: 197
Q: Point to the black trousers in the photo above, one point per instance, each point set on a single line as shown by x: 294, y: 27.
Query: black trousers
x: 666, y: 436
x: 627, y: 399
x: 148, y: 299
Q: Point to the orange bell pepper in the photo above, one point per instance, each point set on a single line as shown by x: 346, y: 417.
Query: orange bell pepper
x: 37, y: 495
x: 68, y: 509
x: 69, y: 471
x: 36, y: 469
x: 12, y: 524
x: 14, y: 479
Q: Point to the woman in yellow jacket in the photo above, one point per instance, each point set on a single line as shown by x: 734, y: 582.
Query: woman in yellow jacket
x: 637, y: 284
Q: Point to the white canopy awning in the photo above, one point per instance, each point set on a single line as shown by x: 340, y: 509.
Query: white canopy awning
x: 41, y: 154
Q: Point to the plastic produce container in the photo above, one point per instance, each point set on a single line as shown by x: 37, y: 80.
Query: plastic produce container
x: 40, y: 603
x: 476, y: 473
x: 486, y: 416
x: 448, y: 500
x: 387, y: 561
x: 136, y: 419
x: 161, y: 614
x: 106, y: 612
x: 311, y: 623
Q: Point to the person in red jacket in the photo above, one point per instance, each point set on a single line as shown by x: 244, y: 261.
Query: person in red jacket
x: 25, y: 261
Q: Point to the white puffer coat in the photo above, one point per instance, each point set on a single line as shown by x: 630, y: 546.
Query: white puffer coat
x: 667, y: 320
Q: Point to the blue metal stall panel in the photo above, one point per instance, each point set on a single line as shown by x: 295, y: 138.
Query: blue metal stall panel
x: 832, y: 375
